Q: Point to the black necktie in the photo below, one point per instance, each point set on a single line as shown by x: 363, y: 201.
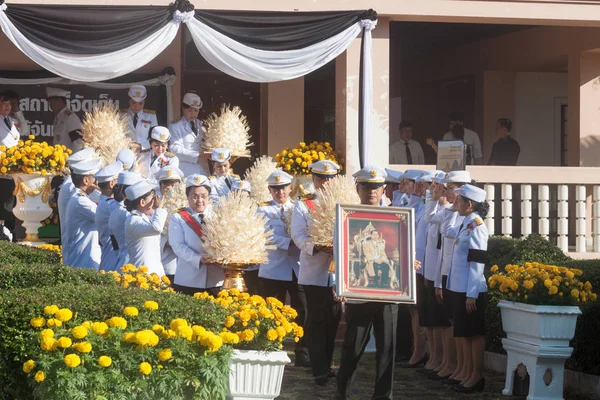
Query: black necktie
x: 194, y: 129
x: 135, y: 120
x: 408, y: 155
x: 228, y: 183
x: 7, y: 122
x: 200, y: 217
x: 153, y: 159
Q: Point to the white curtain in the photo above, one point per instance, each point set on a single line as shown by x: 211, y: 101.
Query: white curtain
x: 92, y: 68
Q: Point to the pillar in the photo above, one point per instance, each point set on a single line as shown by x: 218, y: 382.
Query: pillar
x: 589, y: 114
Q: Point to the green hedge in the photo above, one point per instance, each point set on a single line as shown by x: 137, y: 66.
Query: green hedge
x: 40, y: 275
x: 503, y: 251
x: 11, y: 254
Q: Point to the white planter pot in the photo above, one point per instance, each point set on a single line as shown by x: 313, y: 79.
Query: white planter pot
x: 541, y: 325
x: 256, y: 374
x: 32, y: 192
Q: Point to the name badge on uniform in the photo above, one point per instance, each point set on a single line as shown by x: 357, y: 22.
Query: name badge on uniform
x: 468, y: 233
x: 456, y: 241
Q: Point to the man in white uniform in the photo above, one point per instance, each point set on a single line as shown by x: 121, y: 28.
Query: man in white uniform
x: 157, y: 156
x: 80, y: 225
x: 9, y: 134
x: 139, y: 120
x: 223, y: 179
x: 406, y: 150
x: 187, y: 135
x: 67, y: 125
x: 314, y: 276
x: 107, y: 179
x: 21, y: 121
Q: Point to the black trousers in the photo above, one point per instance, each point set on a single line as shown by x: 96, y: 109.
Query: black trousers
x: 190, y: 291
x: 279, y: 289
x: 322, y: 320
x: 404, y: 342
x: 253, y: 282
x: 383, y: 317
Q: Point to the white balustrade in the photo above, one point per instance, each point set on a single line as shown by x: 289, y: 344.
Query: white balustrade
x: 525, y: 210
x: 507, y: 210
x: 562, y: 208
x: 544, y: 211
x: 490, y: 191
x: 596, y: 218
x: 580, y: 227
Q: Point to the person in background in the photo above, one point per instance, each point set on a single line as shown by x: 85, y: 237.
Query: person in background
x: 323, y: 312
x: 471, y: 138
x: 139, y: 120
x: 193, y: 274
x: 280, y: 275
x: 107, y: 179
x: 9, y: 133
x: 406, y: 150
x: 143, y: 226
x: 168, y: 177
x: 116, y: 222
x: 156, y: 157
x: 127, y: 158
x: 223, y: 179
x: 506, y: 150
x: 188, y: 134
x: 67, y: 125
x: 466, y: 281
x: 242, y: 186
x: 392, y: 184
x: 81, y: 234
x: 21, y: 122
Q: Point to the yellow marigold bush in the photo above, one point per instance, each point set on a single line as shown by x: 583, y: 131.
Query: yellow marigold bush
x: 52, y: 247
x: 296, y: 160
x: 33, y: 157
x: 540, y: 284
x: 132, y: 276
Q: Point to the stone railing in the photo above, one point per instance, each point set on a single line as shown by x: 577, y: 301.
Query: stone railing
x: 561, y: 204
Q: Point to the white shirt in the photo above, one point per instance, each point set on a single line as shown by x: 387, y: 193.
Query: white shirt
x: 21, y: 123
x: 313, y: 266
x: 472, y: 141
x: 433, y: 238
x: 281, y: 261
x: 140, y: 132
x: 109, y: 255
x: 142, y: 239
x: 67, y: 190
x: 116, y: 227
x: 186, y: 146
x: 66, y: 121
x: 450, y: 219
x: 416, y: 202
x: 82, y: 235
x: 151, y: 164
x: 398, y: 152
x: 167, y: 255
x: 221, y: 186
x: 9, y: 137
x: 188, y: 248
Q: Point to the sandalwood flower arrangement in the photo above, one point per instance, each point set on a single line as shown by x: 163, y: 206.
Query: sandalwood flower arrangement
x: 339, y: 190
x: 173, y: 200
x: 296, y: 161
x: 33, y: 158
x: 105, y: 130
x: 228, y: 130
x: 235, y: 232
x: 257, y: 176
x: 540, y: 284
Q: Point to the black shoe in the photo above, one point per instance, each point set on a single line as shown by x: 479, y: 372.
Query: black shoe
x: 302, y: 360
x: 451, y: 381
x: 426, y: 371
x: 331, y: 373
x: 423, y: 360
x: 437, y: 377
x: 322, y: 379
x: 478, y: 387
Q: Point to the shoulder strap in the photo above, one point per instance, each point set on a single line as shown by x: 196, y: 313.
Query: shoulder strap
x: 192, y: 222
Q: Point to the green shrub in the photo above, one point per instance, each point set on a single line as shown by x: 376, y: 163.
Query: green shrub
x: 93, y: 302
x: 21, y: 276
x: 11, y: 253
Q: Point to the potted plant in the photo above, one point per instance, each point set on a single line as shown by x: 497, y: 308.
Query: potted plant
x: 296, y: 161
x: 261, y: 326
x: 539, y: 315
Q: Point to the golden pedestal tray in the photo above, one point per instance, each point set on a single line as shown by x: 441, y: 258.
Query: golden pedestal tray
x: 234, y: 276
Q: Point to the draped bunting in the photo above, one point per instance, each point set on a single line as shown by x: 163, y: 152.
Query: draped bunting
x: 98, y: 43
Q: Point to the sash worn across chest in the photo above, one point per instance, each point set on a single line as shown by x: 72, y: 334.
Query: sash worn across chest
x: 192, y: 223
x: 310, y: 203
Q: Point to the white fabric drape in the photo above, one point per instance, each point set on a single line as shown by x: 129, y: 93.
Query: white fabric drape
x: 367, y: 89
x: 254, y: 65
x: 97, y: 67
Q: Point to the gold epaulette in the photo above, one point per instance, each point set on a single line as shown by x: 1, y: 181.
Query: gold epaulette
x: 145, y: 150
x: 68, y: 112
x: 81, y: 194
x: 149, y: 111
x: 234, y: 176
x: 478, y: 221
x: 293, y: 201
x: 169, y: 154
x: 212, y: 177
x: 264, y: 203
x: 309, y: 196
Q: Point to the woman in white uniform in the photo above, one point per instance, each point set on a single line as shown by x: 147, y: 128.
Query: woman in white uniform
x: 157, y: 156
x: 467, y: 283
x: 144, y: 225
x: 185, y: 236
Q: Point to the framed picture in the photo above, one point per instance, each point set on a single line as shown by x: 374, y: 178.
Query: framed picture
x: 451, y: 155
x: 374, y: 250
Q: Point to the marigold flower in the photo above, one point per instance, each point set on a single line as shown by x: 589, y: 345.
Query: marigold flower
x: 272, y: 335
x: 48, y: 344
x: 79, y: 332
x: 104, y: 361
x: 131, y: 311
x: 40, y: 376
x: 553, y: 290
x: 83, y: 347
x: 494, y: 268
x: 38, y: 322
x: 165, y: 354
x: 46, y: 333
x: 28, y: 366
x: 145, y: 368
x: 64, y: 342
x: 117, y: 322
x: 72, y: 360
x: 575, y: 293
x: 99, y: 328
x: 548, y: 283
x: 151, y: 305
x: 64, y: 315
x: 176, y: 323
x: 54, y: 323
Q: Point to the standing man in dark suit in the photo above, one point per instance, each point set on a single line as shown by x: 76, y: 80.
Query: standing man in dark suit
x: 506, y: 150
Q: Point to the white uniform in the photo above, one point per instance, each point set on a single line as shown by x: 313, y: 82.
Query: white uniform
x: 67, y: 190
x: 281, y: 262
x: 151, y: 164
x: 432, y: 251
x: 313, y: 266
x: 185, y: 144
x: 449, y: 220
x: 472, y: 141
x: 466, y: 273
x: 21, y: 123
x: 416, y: 202
x: 399, y: 199
x: 66, y: 121
x: 221, y: 186
x: 109, y: 255
x: 116, y: 227
x: 9, y: 134
x: 139, y: 133
x: 142, y: 239
x: 167, y: 255
x: 82, y: 235
x: 188, y: 247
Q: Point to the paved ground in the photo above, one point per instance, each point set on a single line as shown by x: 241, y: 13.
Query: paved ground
x: 409, y: 384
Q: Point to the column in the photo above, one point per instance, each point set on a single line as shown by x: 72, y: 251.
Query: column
x: 589, y: 117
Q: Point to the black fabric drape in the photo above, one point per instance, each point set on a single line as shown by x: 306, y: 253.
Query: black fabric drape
x: 86, y: 29
x: 278, y: 31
